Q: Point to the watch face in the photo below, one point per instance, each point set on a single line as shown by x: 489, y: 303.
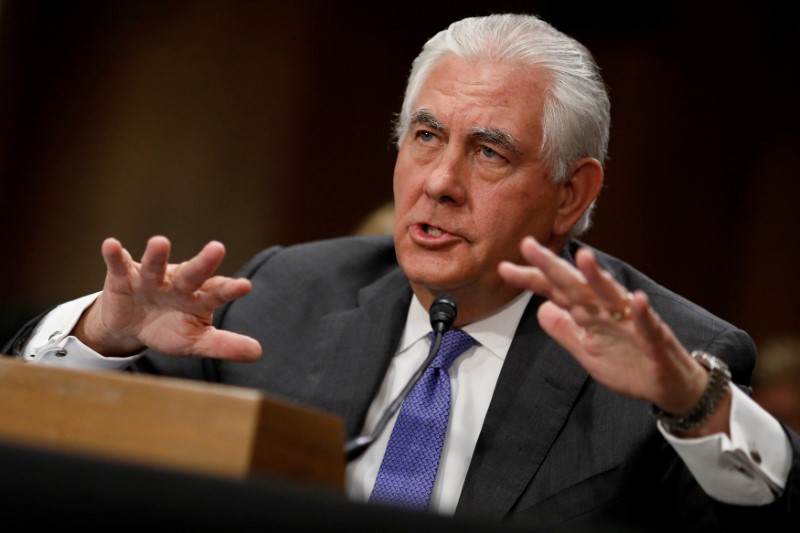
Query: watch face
x: 709, y: 361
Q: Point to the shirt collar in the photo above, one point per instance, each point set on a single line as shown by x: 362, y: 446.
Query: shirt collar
x: 494, y: 332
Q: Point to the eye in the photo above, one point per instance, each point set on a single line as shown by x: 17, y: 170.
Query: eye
x: 488, y: 153
x: 425, y: 136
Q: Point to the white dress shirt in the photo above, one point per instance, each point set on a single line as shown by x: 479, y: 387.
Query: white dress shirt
x: 748, y: 468
x: 473, y: 376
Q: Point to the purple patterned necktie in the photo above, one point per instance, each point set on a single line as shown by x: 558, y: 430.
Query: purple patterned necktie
x: 411, y: 460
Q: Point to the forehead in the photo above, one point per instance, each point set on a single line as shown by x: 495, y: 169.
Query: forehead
x: 469, y: 94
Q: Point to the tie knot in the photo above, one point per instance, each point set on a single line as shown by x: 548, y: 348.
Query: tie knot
x: 454, y: 343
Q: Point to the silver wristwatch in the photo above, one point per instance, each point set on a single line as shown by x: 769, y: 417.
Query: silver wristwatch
x: 708, y: 402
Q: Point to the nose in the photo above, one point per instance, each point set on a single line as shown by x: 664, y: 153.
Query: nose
x: 445, y: 183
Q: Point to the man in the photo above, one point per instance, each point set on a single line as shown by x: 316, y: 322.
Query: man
x: 501, y: 141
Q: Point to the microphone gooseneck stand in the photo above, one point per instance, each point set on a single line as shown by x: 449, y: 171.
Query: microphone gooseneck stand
x: 442, y: 313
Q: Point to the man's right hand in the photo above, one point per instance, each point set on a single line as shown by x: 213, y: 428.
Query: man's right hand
x: 163, y: 306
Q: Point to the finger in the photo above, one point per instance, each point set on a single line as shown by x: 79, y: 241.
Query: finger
x: 227, y: 345
x: 525, y: 277
x: 116, y: 258
x: 660, y: 343
x: 566, y: 279
x: 647, y: 321
x: 533, y: 279
x: 192, y: 274
x: 611, y: 295
x: 221, y: 290
x: 155, y: 260
x: 560, y: 325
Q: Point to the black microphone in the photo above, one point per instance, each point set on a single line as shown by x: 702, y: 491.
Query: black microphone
x: 442, y: 313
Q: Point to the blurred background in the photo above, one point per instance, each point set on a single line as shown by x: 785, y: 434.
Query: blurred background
x: 261, y: 123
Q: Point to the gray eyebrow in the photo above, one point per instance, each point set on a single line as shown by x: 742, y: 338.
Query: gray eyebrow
x: 426, y: 118
x: 497, y: 136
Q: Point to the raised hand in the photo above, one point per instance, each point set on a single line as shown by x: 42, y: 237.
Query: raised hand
x: 615, y: 335
x: 167, y: 307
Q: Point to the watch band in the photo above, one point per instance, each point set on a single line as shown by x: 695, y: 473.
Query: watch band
x: 708, y: 402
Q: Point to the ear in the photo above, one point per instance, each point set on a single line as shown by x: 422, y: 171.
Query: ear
x: 578, y: 192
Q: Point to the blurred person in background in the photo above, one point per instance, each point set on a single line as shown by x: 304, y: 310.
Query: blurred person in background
x: 776, y: 378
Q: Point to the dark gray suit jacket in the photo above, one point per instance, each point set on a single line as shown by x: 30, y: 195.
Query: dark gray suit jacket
x: 556, y: 449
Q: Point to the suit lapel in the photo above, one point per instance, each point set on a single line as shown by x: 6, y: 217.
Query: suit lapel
x: 362, y: 341
x: 535, y: 392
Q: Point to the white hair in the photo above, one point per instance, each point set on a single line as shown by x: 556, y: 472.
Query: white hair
x: 576, y: 115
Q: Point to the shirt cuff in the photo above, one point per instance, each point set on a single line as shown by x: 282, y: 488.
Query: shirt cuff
x: 51, y: 343
x: 748, y: 468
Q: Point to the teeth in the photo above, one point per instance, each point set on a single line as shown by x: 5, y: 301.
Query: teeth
x: 434, y: 232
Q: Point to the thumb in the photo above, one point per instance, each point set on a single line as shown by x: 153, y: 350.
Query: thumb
x: 559, y: 324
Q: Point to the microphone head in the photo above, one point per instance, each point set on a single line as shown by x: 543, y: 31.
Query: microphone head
x: 443, y: 312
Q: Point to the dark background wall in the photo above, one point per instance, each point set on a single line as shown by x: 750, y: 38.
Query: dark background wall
x: 260, y: 123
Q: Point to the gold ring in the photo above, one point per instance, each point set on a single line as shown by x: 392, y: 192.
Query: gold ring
x: 626, y: 311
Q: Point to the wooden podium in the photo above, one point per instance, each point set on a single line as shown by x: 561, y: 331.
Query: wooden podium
x: 198, y: 427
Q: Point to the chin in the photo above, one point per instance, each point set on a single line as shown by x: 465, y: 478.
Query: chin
x: 437, y: 270
x: 436, y: 279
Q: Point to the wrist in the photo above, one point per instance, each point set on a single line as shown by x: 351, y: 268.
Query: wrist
x: 90, y: 331
x: 716, y: 391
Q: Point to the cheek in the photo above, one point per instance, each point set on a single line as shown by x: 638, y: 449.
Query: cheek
x: 519, y: 213
x: 402, y: 198
x: 405, y: 187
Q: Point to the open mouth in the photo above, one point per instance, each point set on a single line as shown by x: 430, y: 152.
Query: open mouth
x: 433, y: 231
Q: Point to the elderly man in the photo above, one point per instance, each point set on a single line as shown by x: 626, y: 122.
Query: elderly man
x: 501, y: 142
